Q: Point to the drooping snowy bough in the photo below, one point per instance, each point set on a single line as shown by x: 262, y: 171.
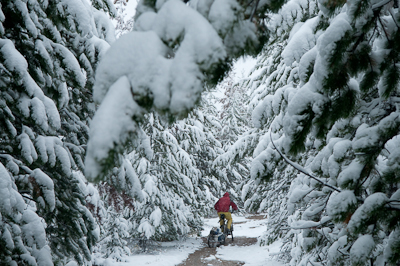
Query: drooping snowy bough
x: 174, y: 52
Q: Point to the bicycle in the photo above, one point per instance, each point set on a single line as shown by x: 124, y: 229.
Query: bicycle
x: 224, y: 227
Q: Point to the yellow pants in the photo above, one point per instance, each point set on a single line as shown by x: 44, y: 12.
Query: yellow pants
x: 228, y: 217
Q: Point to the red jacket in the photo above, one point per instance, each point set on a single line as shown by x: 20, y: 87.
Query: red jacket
x: 223, y: 204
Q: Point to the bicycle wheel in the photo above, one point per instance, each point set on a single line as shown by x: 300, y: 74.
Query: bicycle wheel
x: 210, y: 243
x: 223, y: 239
x: 225, y: 230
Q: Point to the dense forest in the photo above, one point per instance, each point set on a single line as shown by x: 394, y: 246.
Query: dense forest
x: 116, y: 127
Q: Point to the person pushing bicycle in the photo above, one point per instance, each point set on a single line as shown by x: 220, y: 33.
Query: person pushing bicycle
x: 222, y: 207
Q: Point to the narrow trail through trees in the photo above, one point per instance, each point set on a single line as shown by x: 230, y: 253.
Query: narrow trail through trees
x: 207, y: 256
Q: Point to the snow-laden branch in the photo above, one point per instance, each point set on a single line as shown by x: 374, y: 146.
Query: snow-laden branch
x: 163, y: 66
x: 300, y: 168
x: 17, y: 162
x: 29, y: 198
x: 393, y: 204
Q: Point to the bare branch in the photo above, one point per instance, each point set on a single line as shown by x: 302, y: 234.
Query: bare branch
x: 380, y: 4
x: 254, y: 10
x: 28, y: 198
x: 300, y: 168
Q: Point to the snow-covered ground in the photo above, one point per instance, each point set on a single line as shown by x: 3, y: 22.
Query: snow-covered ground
x: 242, y: 226
x: 168, y: 254
x: 173, y: 253
x: 254, y: 255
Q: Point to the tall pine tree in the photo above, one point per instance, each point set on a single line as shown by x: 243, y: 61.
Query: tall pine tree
x: 48, y: 53
x: 342, y: 119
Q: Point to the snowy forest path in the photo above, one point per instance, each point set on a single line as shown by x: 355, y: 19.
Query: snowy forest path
x: 244, y: 250
x: 206, y: 256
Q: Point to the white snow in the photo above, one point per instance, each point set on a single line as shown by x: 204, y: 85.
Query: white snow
x: 351, y: 174
x: 132, y: 178
x: 112, y: 121
x: 167, y: 65
x: 341, y: 203
x: 301, y: 40
x: 251, y: 228
x: 327, y: 43
x: 362, y: 214
x: 47, y: 187
x: 299, y: 193
x: 27, y: 149
x: 146, y: 228
x: 175, y: 252
x: 254, y: 255
x: 155, y: 217
x: 169, y: 254
x: 362, y: 249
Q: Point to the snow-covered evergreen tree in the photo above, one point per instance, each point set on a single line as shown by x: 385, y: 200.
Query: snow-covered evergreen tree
x: 174, y: 166
x: 207, y: 117
x: 342, y: 119
x: 352, y: 114
x: 167, y: 175
x: 115, y: 242
x: 236, y: 137
x: 235, y: 119
x: 271, y: 83
x: 118, y: 195
x: 48, y: 53
x: 196, y: 135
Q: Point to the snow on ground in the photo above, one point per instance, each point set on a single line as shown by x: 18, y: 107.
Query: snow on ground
x: 254, y: 255
x: 173, y: 253
x: 167, y: 254
x: 241, y: 226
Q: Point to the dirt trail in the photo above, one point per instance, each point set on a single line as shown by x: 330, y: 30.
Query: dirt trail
x: 203, y: 256
x: 206, y: 256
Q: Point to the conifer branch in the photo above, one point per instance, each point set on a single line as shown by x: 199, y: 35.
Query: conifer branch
x: 254, y: 10
x: 390, y: 205
x: 29, y: 198
x: 323, y: 234
x: 310, y: 262
x: 360, y: 38
x: 300, y: 168
x: 383, y: 28
x: 393, y: 17
x: 18, y: 162
x: 370, y: 63
x: 381, y: 4
x: 373, y: 32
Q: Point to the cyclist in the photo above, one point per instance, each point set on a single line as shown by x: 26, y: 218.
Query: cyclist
x: 222, y: 207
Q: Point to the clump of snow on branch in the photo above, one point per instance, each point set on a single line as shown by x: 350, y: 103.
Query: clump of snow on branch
x: 174, y: 50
